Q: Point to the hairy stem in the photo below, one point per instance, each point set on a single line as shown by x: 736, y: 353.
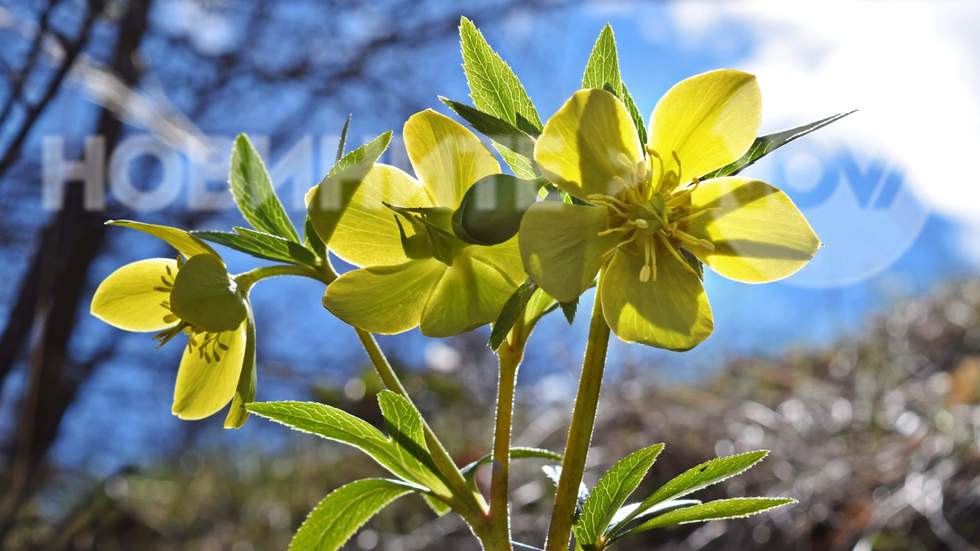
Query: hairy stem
x: 510, y: 355
x: 579, y: 432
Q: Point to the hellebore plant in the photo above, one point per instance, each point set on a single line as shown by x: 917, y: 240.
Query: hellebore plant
x: 595, y: 199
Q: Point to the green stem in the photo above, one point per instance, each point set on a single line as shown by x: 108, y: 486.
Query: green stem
x: 464, y: 501
x: 509, y: 355
x: 579, y: 432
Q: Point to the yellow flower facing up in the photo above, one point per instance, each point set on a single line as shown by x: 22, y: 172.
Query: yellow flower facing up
x: 192, y: 295
x: 647, y: 216
x: 415, y: 272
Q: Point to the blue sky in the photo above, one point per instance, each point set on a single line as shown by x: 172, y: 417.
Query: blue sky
x: 887, y: 236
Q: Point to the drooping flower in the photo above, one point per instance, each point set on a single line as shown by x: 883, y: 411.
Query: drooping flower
x: 646, y: 217
x: 414, y: 271
x: 191, y: 295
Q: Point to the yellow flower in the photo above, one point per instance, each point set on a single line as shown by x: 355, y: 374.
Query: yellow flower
x: 193, y: 295
x: 415, y: 272
x: 647, y: 218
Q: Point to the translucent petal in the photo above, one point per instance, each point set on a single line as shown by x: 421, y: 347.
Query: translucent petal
x: 471, y: 293
x: 446, y: 156
x: 758, y: 233
x: 590, y: 145
x: 708, y: 120
x: 367, y: 234
x: 132, y: 297
x: 384, y: 299
x: 561, y: 246
x: 205, y: 382
x: 670, y: 311
x: 505, y: 257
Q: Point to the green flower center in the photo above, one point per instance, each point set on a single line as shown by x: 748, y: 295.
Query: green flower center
x: 207, y: 344
x: 649, y: 220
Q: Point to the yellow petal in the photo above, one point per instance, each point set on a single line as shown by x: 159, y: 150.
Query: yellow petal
x: 758, y: 233
x: 505, y: 257
x: 470, y: 293
x: 384, y: 299
x: 206, y: 383
x: 131, y: 297
x: 561, y: 246
x: 590, y: 145
x: 446, y: 156
x: 708, y: 120
x: 670, y: 311
x: 367, y: 234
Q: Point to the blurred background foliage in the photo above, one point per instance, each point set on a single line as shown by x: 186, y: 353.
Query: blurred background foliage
x: 866, y: 389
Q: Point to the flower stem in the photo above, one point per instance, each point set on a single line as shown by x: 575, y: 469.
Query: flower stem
x: 509, y: 355
x: 247, y: 279
x: 579, y: 432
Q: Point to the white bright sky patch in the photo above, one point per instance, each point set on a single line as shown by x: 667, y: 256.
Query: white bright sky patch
x: 910, y: 67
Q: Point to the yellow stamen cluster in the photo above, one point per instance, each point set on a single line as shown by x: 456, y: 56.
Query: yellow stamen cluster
x: 649, y: 212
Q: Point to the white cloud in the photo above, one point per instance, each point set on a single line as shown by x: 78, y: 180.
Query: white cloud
x: 911, y: 67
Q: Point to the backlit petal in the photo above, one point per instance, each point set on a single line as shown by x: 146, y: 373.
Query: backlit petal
x: 758, y: 233
x: 132, y: 297
x: 671, y: 311
x: 561, y: 246
x: 708, y: 120
x: 367, y: 234
x: 470, y: 293
x: 205, y: 382
x: 185, y: 243
x: 446, y: 156
x: 384, y: 299
x: 590, y: 145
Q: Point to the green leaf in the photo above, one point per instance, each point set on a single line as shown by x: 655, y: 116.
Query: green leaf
x: 514, y: 145
x: 609, y: 494
x: 764, y: 145
x: 491, y: 211
x: 342, y: 513
x: 437, y: 506
x: 740, y: 507
x: 182, y: 240
x: 253, y: 192
x: 602, y: 72
x: 510, y: 313
x: 494, y: 87
x: 658, y: 509
x: 697, y: 478
x: 641, y: 127
x: 342, y: 144
x: 515, y: 453
x: 404, y: 424
x: 333, y: 194
x: 261, y: 245
x: 337, y: 425
x: 204, y: 296
x: 312, y: 240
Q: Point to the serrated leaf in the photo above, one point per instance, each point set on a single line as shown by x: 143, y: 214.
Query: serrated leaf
x: 252, y: 190
x: 337, y: 425
x: 660, y: 508
x: 330, y: 198
x: 342, y: 143
x: 405, y: 428
x: 602, y: 72
x: 740, y: 507
x: 765, y: 145
x: 697, y: 478
x: 510, y: 313
x: 517, y: 452
x: 502, y: 132
x: 610, y: 492
x: 344, y: 511
x: 182, y: 240
x: 260, y: 245
x: 435, y: 505
x: 641, y: 127
x: 491, y: 210
x: 494, y: 87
